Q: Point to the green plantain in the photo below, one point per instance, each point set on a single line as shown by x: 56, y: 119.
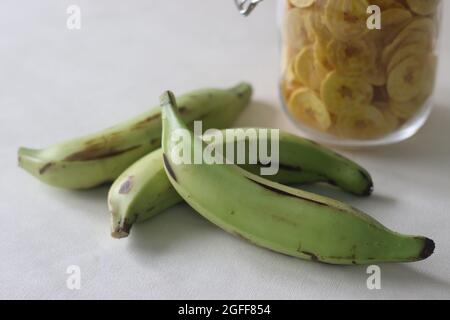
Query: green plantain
x: 99, y: 158
x: 143, y: 190
x: 277, y: 217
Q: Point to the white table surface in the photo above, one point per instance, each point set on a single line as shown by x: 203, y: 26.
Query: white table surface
x: 56, y: 84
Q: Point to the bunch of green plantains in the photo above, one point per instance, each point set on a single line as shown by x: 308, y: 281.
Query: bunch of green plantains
x: 148, y: 180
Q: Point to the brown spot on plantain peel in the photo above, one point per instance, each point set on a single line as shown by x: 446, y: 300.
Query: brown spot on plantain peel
x: 144, y: 123
x: 96, y: 153
x: 311, y: 255
x: 46, y: 167
x: 126, y: 187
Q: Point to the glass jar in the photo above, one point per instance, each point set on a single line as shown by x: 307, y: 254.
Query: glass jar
x: 359, y: 72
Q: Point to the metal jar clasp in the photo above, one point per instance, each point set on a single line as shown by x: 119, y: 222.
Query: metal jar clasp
x: 246, y: 6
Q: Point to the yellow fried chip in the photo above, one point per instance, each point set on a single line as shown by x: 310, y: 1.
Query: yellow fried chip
x: 418, y: 38
x: 342, y: 93
x: 407, y: 79
x: 351, y: 58
x: 321, y: 54
x: 420, y: 30
x: 405, y: 110
x: 405, y: 52
x: 289, y: 73
x: 387, y: 4
x: 423, y: 7
x: 288, y: 88
x: 308, y: 69
x: 391, y: 121
x: 347, y: 19
x: 430, y: 73
x: 423, y: 86
x: 392, y: 22
x: 364, y: 122
x: 290, y: 82
x: 297, y: 30
x: 318, y: 21
x: 302, y: 3
x: 306, y: 107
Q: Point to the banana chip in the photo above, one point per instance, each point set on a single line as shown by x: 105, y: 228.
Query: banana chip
x: 364, y: 122
x: 429, y: 75
x: 298, y: 31
x: 410, y: 33
x: 423, y: 7
x: 351, y: 58
x: 405, y: 52
x: 390, y: 119
x: 308, y: 69
x: 407, y: 80
x: 343, y: 93
x: 321, y: 54
x: 347, y: 19
x: 290, y: 82
x: 405, y: 110
x: 418, y: 38
x: 302, y: 3
x: 306, y: 106
x: 318, y: 21
x: 392, y: 21
x: 387, y: 4
x: 424, y: 86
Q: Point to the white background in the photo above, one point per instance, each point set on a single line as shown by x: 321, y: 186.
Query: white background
x: 56, y: 84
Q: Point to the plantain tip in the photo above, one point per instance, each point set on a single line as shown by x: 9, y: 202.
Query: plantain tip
x: 119, y: 234
x: 369, y: 190
x: 121, y: 231
x: 243, y: 90
x: 428, y: 248
x: 368, y: 179
x: 22, y: 151
x: 167, y: 98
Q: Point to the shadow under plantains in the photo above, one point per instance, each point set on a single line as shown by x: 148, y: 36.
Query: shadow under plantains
x: 394, y: 276
x: 180, y: 227
x: 176, y: 226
